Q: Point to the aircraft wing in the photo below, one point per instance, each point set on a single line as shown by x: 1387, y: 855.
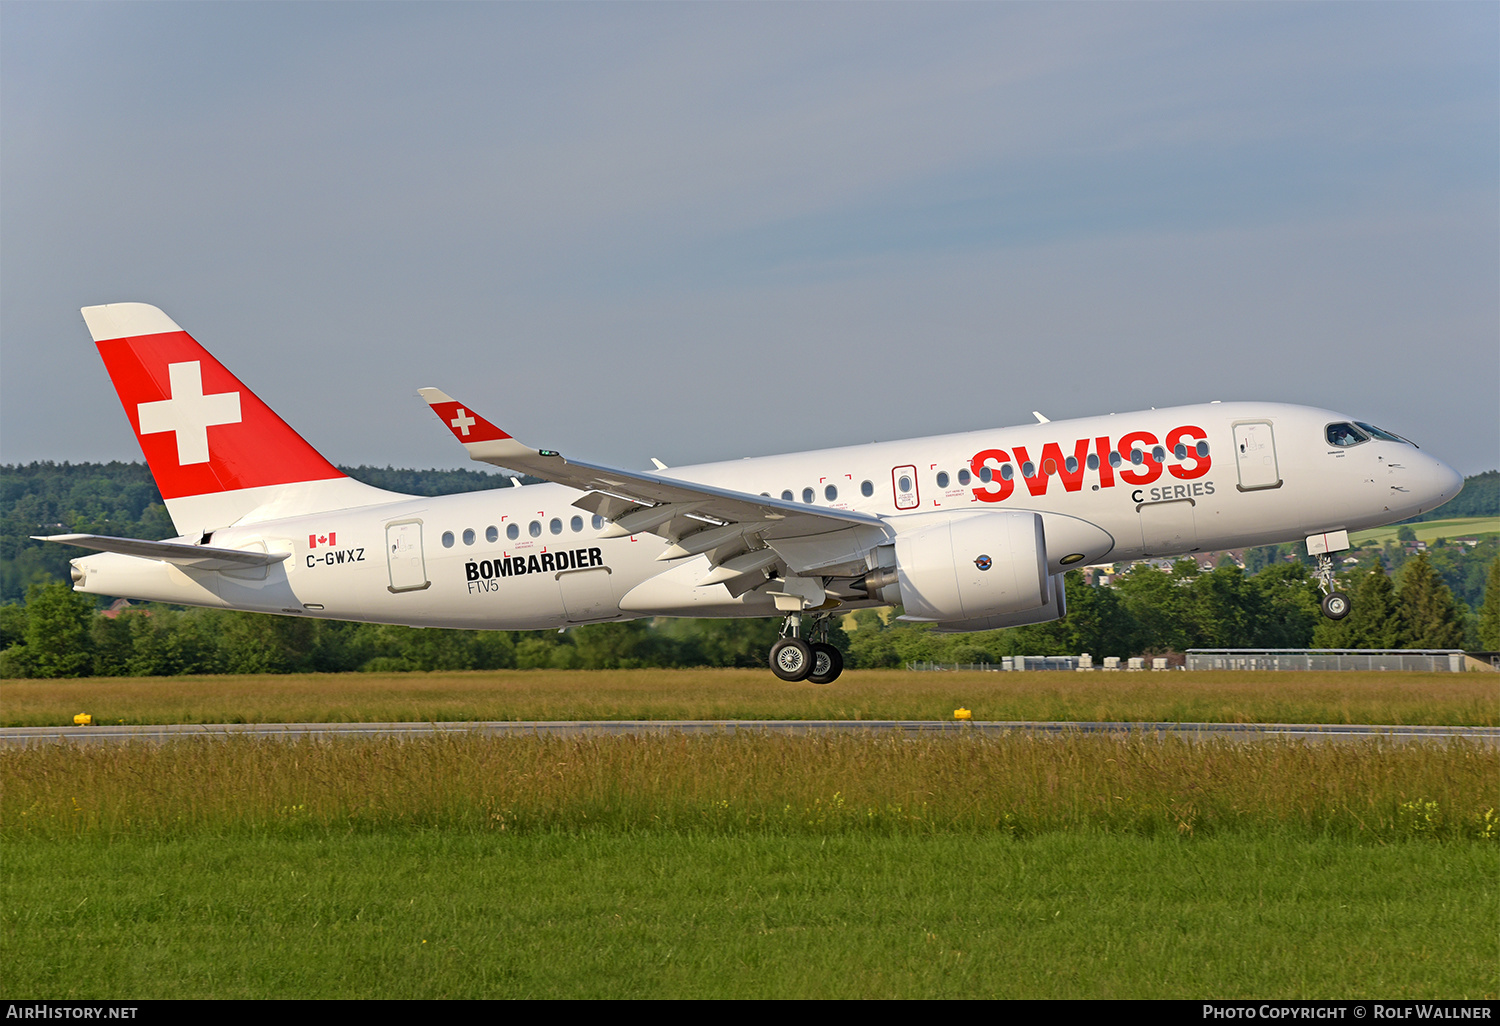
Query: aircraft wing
x: 196, y: 557
x: 731, y: 526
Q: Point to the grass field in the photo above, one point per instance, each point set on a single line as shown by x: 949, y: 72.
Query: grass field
x: 754, y: 865
x: 1471, y: 699
x: 1432, y: 530
x: 443, y: 914
x: 848, y: 866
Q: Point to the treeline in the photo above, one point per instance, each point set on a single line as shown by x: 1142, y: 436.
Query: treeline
x: 121, y: 499
x: 59, y: 633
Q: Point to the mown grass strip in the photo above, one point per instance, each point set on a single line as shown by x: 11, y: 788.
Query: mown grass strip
x: 1433, y: 699
x: 464, y: 914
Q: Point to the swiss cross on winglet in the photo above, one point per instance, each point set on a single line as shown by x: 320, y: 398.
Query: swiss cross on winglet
x: 486, y: 443
x: 466, y: 425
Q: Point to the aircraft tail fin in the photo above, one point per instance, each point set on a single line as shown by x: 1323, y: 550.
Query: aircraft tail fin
x: 218, y: 453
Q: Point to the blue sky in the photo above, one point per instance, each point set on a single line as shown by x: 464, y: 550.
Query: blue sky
x: 704, y: 231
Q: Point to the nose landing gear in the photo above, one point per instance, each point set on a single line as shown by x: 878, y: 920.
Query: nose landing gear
x: 793, y: 659
x: 1335, y: 603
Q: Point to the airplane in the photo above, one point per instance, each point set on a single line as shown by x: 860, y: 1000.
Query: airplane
x: 967, y: 532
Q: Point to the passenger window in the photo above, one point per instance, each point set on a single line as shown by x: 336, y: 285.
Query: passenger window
x: 1114, y: 460
x: 492, y: 533
x: 1202, y: 448
x: 1093, y: 461
x: 447, y: 539
x: 866, y: 489
x: 1007, y: 472
x: 556, y: 525
x: 1072, y: 464
x: 1049, y: 467
x: 535, y: 529
x: 1180, y: 451
x: 1159, y: 454
x: 786, y: 496
x: 597, y: 522
x: 576, y: 524
x: 942, y: 479
x: 986, y: 475
x: 963, y: 478
x: 513, y: 531
x: 807, y: 495
x: 1137, y: 457
x: 830, y: 493
x: 469, y: 536
x: 1028, y: 469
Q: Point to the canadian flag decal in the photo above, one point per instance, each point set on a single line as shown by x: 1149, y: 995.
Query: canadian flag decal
x: 328, y: 540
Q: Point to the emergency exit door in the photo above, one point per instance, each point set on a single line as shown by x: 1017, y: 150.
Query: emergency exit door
x: 1255, y: 455
x: 403, y: 555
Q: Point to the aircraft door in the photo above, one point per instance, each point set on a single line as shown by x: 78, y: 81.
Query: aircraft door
x: 403, y: 555
x: 904, y: 485
x: 1255, y: 456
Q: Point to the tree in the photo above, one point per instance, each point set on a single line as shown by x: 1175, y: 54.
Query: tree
x: 57, y: 631
x: 1287, y: 610
x: 1158, y: 603
x: 1430, y: 617
x: 1489, y: 611
x: 1097, y: 620
x: 1375, y: 619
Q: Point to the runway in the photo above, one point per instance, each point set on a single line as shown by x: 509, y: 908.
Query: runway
x: 1310, y: 732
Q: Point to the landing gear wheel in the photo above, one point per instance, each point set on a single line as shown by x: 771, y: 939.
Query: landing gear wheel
x: 1336, y: 605
x: 791, y: 659
x: 828, y: 663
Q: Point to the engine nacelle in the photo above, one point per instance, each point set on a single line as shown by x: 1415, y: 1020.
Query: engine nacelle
x: 1055, y: 608
x: 970, y: 566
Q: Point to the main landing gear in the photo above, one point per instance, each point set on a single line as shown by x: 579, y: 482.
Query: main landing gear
x: 1335, y: 603
x: 793, y: 659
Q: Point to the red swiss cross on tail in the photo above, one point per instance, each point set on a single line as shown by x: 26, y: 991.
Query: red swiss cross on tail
x: 201, y: 430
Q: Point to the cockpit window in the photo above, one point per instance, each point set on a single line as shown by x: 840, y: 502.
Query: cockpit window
x: 1385, y: 436
x: 1344, y: 435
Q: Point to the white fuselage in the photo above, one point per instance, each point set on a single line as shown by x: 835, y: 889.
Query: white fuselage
x: 1269, y: 475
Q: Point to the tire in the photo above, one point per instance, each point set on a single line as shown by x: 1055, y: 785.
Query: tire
x: 1336, y: 605
x: 791, y: 659
x: 828, y: 663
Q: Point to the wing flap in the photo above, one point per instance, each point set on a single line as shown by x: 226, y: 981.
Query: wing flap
x: 747, y: 538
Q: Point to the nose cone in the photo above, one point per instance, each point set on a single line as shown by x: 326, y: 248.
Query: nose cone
x: 1439, y: 483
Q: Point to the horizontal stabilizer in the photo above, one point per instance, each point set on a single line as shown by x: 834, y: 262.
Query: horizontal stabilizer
x: 196, y: 557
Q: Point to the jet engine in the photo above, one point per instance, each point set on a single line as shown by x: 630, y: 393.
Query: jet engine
x: 968, y: 567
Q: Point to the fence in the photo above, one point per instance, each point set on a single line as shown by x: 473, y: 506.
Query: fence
x: 1007, y: 663
x: 1430, y: 659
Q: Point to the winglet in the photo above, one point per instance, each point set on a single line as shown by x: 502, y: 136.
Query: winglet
x: 486, y: 443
